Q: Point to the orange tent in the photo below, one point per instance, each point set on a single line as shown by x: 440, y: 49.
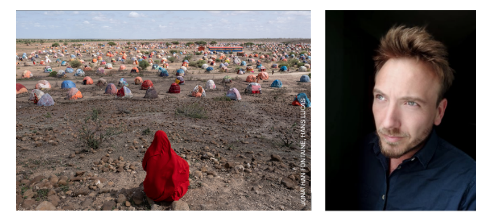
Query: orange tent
x: 94, y: 60
x: 263, y: 76
x: 138, y: 80
x: 41, y: 84
x: 250, y: 78
x: 27, y: 74
x: 122, y: 67
x: 146, y: 85
x: 21, y: 89
x: 87, y: 81
x: 134, y: 69
x: 74, y: 94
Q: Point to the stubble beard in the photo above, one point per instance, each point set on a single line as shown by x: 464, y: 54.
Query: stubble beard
x: 400, y: 148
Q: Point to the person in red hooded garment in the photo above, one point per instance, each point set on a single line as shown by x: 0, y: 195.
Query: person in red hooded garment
x: 166, y: 172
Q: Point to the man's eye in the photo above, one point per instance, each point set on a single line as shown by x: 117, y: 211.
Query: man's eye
x: 411, y: 103
x: 380, y: 97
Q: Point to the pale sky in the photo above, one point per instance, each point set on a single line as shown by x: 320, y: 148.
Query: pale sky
x: 124, y: 24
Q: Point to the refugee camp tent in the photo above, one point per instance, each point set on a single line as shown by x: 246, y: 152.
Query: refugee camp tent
x: 74, y: 94
x: 243, y: 63
x: 183, y: 68
x: 101, y: 82
x: 210, y: 85
x: 66, y: 84
x: 80, y: 73
x: 253, y: 88
x: 174, y: 88
x: 35, y: 93
x: 209, y: 69
x: 163, y: 72
x: 233, y: 94
x: 138, y: 80
x: 198, y: 91
x: 250, y: 69
x: 69, y: 70
x: 263, y: 76
x: 111, y: 89
x: 154, y: 66
x: 227, y: 79
x: 151, y: 93
x: 250, y: 78
x: 100, y: 70
x: 27, y: 74
x: 87, y: 68
x: 134, y: 70
x: 124, y: 92
x: 47, y: 69
x: 122, y: 82
x: 179, y: 80
x: 61, y: 74
x: 276, y: 84
x: 303, y: 69
x: 205, y: 66
x: 122, y: 67
x: 87, y: 81
x: 42, y: 85
x: 301, y: 100
x: 108, y: 66
x: 304, y: 78
x: 64, y: 63
x: 180, y: 72
x: 146, y: 85
x: 46, y: 100
x: 283, y: 68
x: 21, y: 89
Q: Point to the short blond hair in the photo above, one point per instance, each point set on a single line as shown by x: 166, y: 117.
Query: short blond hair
x: 417, y: 43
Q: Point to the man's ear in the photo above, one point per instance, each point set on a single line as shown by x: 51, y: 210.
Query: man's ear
x: 440, y: 112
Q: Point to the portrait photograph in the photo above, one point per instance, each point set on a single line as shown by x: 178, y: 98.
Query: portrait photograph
x: 400, y: 110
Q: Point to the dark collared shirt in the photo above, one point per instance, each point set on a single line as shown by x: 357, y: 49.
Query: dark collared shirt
x: 438, y: 177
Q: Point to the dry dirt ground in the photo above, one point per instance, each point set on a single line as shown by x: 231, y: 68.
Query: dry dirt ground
x: 237, y: 158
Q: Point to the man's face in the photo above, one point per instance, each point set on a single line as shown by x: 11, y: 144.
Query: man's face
x: 404, y: 109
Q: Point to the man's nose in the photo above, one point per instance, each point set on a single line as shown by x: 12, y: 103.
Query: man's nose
x: 391, y: 117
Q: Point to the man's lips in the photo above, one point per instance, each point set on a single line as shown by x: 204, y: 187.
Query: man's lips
x: 392, y: 139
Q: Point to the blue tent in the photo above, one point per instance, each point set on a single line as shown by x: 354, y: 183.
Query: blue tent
x: 155, y: 66
x: 63, y: 63
x: 302, y: 98
x: 185, y: 61
x: 259, y: 66
x: 66, y: 84
x: 283, y: 68
x: 309, y: 57
x: 123, y: 82
x: 243, y: 63
x: 69, y: 70
x: 139, y: 60
x: 163, y: 72
x: 36, y: 56
x: 180, y: 71
x: 73, y: 56
x: 47, y: 69
x: 79, y: 72
x: 304, y: 78
x: 209, y: 68
x: 304, y: 61
x: 276, y: 83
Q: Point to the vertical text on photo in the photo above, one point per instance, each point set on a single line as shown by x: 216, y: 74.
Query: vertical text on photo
x: 302, y: 143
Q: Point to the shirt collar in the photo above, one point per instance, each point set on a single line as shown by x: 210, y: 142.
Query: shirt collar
x: 424, y: 155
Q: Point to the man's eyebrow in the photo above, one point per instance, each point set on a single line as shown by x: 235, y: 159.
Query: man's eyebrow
x: 411, y: 98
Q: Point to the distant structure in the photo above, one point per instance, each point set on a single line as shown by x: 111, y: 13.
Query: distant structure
x: 225, y: 49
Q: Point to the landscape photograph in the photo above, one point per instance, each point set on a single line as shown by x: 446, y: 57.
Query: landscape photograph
x: 181, y: 110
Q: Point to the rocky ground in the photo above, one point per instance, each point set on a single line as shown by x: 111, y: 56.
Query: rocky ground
x: 243, y: 155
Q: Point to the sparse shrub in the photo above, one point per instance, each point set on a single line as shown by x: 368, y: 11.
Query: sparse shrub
x: 53, y: 74
x: 283, y: 64
x: 144, y: 64
x: 55, y: 45
x: 218, y: 60
x: 65, y: 43
x: 192, y: 64
x: 222, y: 98
x: 188, y: 57
x: 128, y: 61
x: 299, y: 64
x: 200, y: 63
x: 157, y: 61
x: 172, y: 59
x: 174, y: 51
x: 111, y: 43
x: 147, y: 131
x: 309, y: 75
x: 75, y: 64
x: 193, y: 110
x: 92, y: 134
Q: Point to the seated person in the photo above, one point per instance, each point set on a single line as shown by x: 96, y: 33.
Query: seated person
x: 166, y: 172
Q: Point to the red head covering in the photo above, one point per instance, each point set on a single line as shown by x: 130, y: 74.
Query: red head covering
x: 166, y: 172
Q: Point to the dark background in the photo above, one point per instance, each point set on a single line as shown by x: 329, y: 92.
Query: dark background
x: 351, y: 40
